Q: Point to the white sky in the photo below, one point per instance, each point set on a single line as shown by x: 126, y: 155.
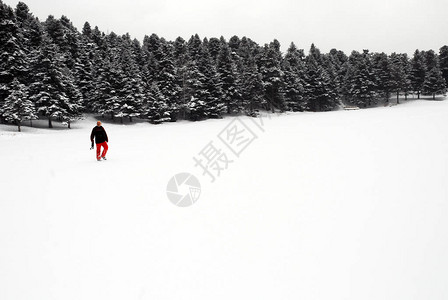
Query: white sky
x: 379, y: 25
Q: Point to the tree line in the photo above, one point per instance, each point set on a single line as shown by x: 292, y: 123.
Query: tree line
x: 51, y: 70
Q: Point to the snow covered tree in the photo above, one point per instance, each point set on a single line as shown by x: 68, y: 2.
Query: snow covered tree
x: 71, y: 42
x: 234, y: 44
x: 214, y: 48
x: 228, y: 77
x: 360, y: 87
x: 83, y: 72
x: 399, y: 74
x: 137, y: 54
x: 130, y: 84
x: 293, y: 69
x: 417, y: 72
x: 155, y: 107
x: 152, y: 54
x: 272, y: 74
x: 87, y: 30
x: 434, y: 82
x: 193, y: 46
x: 443, y: 62
x: 167, y: 80
x: 17, y: 107
x: 13, y: 61
x: 117, y: 83
x: 253, y: 89
x: 381, y: 68
x: 246, y: 50
x: 152, y: 44
x: 320, y: 94
x: 197, y: 92
x: 12, y: 57
x: 338, y: 61
x: 30, y: 27
x: 62, y: 37
x: 180, y: 52
x: 211, y: 83
x: 103, y: 86
x: 52, y: 90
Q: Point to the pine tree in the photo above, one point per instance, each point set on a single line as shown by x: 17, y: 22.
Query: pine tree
x: 246, y: 50
x: 319, y: 93
x: 193, y: 46
x: 181, y: 59
x: 338, y: 61
x: 55, y: 30
x: 381, y: 67
x: 211, y: 83
x: 87, y: 30
x: 71, y: 42
x: 138, y: 56
x: 17, y: 107
x: 151, y: 44
x: 293, y: 69
x: 152, y: 54
x: 52, y: 89
x: 83, y: 72
x: 74, y: 103
x: 103, y: 89
x: 180, y: 52
x: 360, y: 87
x: 111, y: 81
x: 197, y: 93
x: 272, y: 74
x: 417, y: 72
x: 214, y: 48
x: 443, y: 62
x: 434, y: 82
x: 253, y: 89
x: 30, y: 27
x: 13, y: 63
x: 234, y: 44
x: 399, y: 73
x: 228, y: 77
x: 130, y: 89
x: 155, y: 108
x: 167, y: 80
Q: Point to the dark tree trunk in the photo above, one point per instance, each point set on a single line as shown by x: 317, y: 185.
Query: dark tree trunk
x: 121, y: 120
x: 130, y: 119
x: 68, y: 124
x: 18, y: 126
x: 398, y: 99
x: 433, y: 96
x: 418, y: 95
x: 50, y: 125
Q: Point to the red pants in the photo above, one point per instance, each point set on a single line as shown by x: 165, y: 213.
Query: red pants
x: 98, y: 150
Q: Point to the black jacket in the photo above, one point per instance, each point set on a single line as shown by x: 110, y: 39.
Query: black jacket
x: 99, y: 134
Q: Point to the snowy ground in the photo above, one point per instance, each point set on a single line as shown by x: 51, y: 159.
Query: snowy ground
x: 337, y: 205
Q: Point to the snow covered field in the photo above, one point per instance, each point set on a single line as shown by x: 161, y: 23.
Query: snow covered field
x: 337, y: 205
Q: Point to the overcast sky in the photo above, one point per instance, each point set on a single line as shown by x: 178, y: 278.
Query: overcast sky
x: 378, y: 25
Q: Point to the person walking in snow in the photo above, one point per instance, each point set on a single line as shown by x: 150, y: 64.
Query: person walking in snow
x: 101, y: 140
